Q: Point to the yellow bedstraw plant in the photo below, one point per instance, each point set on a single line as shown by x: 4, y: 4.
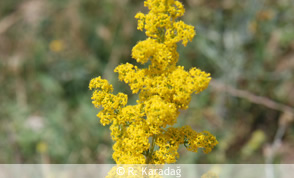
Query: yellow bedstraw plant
x: 143, y: 133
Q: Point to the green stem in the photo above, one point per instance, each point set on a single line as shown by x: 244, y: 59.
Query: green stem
x: 151, y: 150
x: 166, y: 5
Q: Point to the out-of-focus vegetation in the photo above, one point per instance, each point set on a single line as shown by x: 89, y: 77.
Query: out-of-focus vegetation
x: 49, y: 51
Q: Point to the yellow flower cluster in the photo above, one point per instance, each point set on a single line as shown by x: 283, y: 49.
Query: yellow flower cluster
x: 169, y: 142
x: 143, y: 133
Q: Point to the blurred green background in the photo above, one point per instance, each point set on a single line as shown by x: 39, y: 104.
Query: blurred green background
x: 50, y: 49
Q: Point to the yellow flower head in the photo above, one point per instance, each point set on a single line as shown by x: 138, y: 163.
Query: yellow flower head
x: 143, y: 133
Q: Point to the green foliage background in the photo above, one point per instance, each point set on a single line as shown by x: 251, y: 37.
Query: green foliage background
x: 49, y: 51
